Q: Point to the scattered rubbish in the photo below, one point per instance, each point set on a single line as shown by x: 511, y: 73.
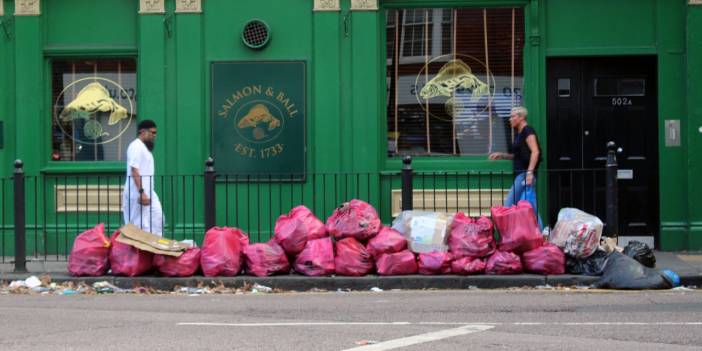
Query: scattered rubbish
x: 17, y: 284
x: 365, y: 342
x: 32, y: 282
x: 340, y: 290
x: 105, y: 287
x: 376, y: 289
x: 68, y: 292
x: 194, y: 291
x: 684, y: 288
x: 260, y: 288
x: 544, y: 287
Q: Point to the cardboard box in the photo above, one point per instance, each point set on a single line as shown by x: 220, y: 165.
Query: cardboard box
x: 132, y: 235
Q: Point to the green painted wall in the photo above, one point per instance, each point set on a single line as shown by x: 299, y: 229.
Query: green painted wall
x: 694, y: 126
x: 344, y: 51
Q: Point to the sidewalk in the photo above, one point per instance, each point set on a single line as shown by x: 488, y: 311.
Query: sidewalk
x: 687, y: 265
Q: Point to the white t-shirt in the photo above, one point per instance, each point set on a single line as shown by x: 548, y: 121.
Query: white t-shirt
x: 139, y: 157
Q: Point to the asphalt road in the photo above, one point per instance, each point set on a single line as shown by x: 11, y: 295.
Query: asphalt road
x: 401, y: 320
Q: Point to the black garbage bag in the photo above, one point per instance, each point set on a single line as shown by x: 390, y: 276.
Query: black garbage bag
x: 591, y: 265
x: 623, y: 272
x: 640, y: 252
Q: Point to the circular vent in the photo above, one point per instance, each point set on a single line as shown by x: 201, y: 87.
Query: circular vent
x: 256, y: 34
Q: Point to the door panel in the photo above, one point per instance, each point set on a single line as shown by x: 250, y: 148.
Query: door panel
x: 611, y: 99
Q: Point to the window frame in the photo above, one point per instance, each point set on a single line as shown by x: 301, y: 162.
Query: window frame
x: 455, y: 162
x: 72, y: 166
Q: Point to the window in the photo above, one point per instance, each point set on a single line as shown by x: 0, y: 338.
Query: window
x: 94, y: 109
x: 453, y: 76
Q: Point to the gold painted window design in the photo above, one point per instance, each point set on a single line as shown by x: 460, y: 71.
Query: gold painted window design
x: 94, y: 109
x: 452, y: 77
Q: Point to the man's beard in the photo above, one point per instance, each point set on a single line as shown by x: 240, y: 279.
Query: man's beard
x: 149, y: 145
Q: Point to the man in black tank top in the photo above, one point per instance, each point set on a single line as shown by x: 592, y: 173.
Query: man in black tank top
x: 525, y: 154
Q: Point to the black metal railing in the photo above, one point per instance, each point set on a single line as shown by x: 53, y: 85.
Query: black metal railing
x: 41, y: 215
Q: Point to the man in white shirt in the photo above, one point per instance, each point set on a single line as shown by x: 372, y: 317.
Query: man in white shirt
x: 140, y: 203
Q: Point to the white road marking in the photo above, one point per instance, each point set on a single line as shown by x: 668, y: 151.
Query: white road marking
x: 297, y: 324
x: 422, y: 338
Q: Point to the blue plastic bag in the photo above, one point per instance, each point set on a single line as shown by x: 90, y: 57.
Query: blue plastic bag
x: 529, y: 194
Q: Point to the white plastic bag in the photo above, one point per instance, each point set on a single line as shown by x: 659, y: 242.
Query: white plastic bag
x: 576, y: 232
x: 425, y: 231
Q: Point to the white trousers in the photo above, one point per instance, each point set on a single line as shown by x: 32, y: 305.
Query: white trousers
x: 148, y: 218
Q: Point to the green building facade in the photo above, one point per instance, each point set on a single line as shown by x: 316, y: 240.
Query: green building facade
x: 366, y: 82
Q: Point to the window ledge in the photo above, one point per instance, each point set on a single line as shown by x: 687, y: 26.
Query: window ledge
x: 69, y: 167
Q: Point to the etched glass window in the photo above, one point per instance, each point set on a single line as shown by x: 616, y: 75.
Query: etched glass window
x: 452, y: 76
x: 94, y: 109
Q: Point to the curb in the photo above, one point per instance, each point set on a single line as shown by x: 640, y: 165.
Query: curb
x: 304, y: 283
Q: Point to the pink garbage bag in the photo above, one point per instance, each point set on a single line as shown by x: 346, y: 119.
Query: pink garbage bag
x: 184, y: 265
x: 388, y: 240
x: 547, y: 259
x: 468, y: 266
x: 352, y: 258
x: 294, y: 229
x: 503, y: 262
x: 430, y: 263
x: 356, y: 219
x: 266, y: 259
x: 317, y: 258
x: 398, y: 263
x: 90, y: 255
x: 128, y: 260
x: 221, y: 252
x: 470, y: 237
x: 519, y: 231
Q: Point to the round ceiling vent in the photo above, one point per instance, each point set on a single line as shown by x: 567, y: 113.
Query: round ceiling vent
x: 256, y: 34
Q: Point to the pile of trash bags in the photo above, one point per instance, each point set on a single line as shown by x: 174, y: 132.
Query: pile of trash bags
x: 354, y: 242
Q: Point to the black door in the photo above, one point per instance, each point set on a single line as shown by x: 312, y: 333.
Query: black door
x: 592, y: 101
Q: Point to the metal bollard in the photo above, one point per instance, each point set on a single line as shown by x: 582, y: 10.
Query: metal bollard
x: 612, y: 192
x: 407, y: 183
x: 20, y: 255
x: 210, y: 175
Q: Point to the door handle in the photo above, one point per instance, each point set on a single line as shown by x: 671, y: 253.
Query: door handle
x: 564, y: 158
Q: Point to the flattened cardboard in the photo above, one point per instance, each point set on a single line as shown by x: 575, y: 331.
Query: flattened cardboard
x: 141, y: 246
x: 151, y: 241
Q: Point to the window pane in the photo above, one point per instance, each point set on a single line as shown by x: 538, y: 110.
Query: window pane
x: 446, y: 101
x: 94, y: 111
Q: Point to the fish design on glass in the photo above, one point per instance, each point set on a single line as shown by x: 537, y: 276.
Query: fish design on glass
x: 91, y: 99
x: 454, y: 75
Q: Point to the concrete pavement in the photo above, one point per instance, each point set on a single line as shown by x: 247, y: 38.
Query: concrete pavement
x: 687, y: 265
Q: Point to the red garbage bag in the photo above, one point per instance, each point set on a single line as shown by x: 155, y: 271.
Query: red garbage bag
x: 266, y: 259
x: 388, y: 240
x: 398, y: 263
x: 519, y: 231
x: 468, y: 265
x: 503, y: 262
x: 547, y: 259
x: 317, y: 258
x: 90, y: 255
x: 128, y: 260
x: 294, y: 229
x: 434, y: 262
x: 184, y: 265
x: 352, y: 258
x: 221, y: 251
x: 356, y: 219
x: 470, y: 237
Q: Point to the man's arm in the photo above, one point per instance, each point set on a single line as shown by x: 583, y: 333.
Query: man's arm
x: 143, y: 198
